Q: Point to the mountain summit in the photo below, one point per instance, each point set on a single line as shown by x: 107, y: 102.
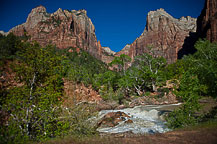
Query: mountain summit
x: 63, y: 28
x: 164, y: 34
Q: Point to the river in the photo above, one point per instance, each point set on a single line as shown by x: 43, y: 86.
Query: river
x: 146, y: 119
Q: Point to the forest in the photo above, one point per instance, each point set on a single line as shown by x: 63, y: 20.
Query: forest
x: 32, y: 97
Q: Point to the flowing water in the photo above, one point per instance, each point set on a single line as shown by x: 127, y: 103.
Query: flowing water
x: 146, y: 119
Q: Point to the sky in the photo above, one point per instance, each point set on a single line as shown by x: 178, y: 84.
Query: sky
x: 117, y: 22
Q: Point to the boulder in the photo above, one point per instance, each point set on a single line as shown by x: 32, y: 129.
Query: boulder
x: 112, y: 119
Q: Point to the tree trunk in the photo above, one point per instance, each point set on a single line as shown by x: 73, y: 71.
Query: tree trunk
x: 154, y: 86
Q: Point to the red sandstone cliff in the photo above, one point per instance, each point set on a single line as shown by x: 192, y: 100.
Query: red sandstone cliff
x: 63, y: 28
x: 165, y: 34
x: 207, y: 21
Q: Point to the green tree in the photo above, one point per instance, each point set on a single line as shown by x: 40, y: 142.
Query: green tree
x: 121, y: 62
x: 33, y: 104
x: 204, y: 64
x: 189, y: 92
x: 151, y: 67
x: 8, y: 46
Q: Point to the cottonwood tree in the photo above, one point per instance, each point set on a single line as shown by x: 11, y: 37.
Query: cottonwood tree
x: 151, y: 67
x: 138, y: 80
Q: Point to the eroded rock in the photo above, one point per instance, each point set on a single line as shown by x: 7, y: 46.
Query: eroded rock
x: 207, y: 21
x: 62, y: 28
x: 112, y: 119
x: 163, y: 34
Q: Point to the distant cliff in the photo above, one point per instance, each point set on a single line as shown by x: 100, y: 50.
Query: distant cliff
x: 164, y: 34
x: 207, y: 21
x: 63, y: 28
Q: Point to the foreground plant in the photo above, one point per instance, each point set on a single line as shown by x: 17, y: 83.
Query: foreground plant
x: 33, y: 104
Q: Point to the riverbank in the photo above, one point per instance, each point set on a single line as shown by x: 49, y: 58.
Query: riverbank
x: 205, y: 133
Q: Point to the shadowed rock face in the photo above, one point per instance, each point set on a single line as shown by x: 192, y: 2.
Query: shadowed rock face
x: 164, y: 34
x: 63, y: 28
x: 207, y: 21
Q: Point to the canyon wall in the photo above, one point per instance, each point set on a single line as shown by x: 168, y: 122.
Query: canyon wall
x: 207, y: 21
x: 62, y: 28
x: 164, y: 35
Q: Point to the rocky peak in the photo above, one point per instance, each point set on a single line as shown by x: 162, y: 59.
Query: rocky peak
x: 37, y: 15
x: 207, y: 21
x: 108, y: 50
x: 156, y: 20
x: 62, y: 28
x: 125, y: 50
x: 39, y: 9
x: 59, y: 13
x: 164, y: 33
x: 3, y: 33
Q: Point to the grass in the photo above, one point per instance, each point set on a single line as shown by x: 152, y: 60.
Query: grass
x: 204, y: 130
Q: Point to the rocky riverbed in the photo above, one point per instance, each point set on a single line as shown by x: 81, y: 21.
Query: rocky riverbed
x: 138, y: 120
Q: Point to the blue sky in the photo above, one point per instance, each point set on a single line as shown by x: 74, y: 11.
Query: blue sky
x: 117, y: 22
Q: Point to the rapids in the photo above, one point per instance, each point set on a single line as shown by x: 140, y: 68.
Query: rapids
x: 146, y: 119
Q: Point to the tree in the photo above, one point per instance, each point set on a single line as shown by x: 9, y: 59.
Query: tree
x: 151, y: 67
x: 204, y: 64
x: 33, y: 103
x: 121, y: 62
x: 189, y: 92
x: 8, y: 46
x: 137, y: 79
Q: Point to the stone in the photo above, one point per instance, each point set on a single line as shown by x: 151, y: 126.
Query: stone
x: 128, y: 121
x: 112, y: 119
x: 3, y: 33
x: 164, y: 34
x: 62, y: 28
x: 107, y: 55
x: 207, y: 21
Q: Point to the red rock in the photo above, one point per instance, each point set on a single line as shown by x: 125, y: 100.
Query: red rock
x: 107, y: 55
x: 207, y: 21
x: 112, y: 119
x: 129, y: 121
x: 63, y: 28
x: 165, y: 34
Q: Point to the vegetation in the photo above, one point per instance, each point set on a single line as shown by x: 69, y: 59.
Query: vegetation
x: 197, y: 78
x: 34, y: 106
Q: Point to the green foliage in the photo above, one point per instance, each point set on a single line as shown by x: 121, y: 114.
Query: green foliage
x: 152, y: 70
x: 81, y: 67
x: 205, y: 65
x: 33, y: 105
x: 8, y: 46
x: 121, y: 61
x: 198, y: 76
x: 74, y: 121
x: 189, y: 92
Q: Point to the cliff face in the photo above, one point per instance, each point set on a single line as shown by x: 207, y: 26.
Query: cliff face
x: 164, y: 34
x: 207, y: 21
x: 63, y: 28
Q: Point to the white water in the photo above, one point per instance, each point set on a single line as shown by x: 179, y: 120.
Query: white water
x: 146, y: 119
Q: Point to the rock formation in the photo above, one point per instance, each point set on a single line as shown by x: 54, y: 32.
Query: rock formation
x: 164, y: 34
x: 63, y: 28
x: 3, y: 33
x: 107, y: 55
x: 207, y: 21
x: 125, y: 51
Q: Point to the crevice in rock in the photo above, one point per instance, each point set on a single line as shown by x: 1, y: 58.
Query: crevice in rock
x: 72, y: 26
